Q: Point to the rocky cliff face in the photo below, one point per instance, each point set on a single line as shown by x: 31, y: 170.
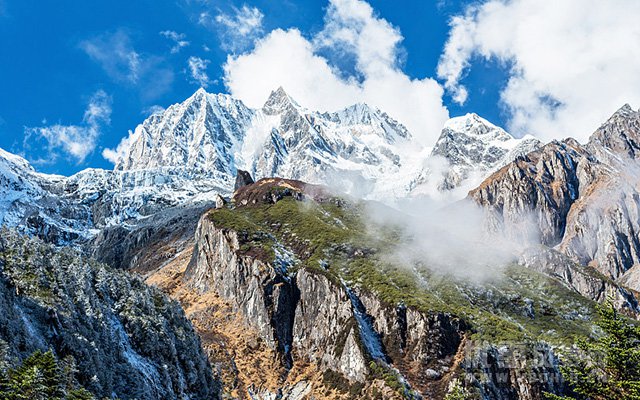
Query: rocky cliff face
x: 422, y: 346
x: 580, y: 199
x: 309, y: 317
x: 311, y: 314
x: 127, y: 340
x: 283, y: 306
x: 513, y: 372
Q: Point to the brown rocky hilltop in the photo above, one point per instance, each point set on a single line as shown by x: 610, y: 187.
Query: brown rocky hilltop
x: 582, y: 201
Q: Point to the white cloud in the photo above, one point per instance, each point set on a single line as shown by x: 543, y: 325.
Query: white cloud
x: 121, y: 151
x: 114, y: 155
x: 236, y: 30
x: 178, y: 40
x: 154, y: 109
x: 351, y: 31
x: 245, y: 20
x: 115, y: 53
x: 77, y: 141
x: 198, y: 70
x: 571, y: 63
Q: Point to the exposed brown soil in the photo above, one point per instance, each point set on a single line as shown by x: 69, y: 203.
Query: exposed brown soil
x: 239, y: 357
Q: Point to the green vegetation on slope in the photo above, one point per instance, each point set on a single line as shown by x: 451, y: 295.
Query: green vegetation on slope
x: 336, y: 239
x: 42, y: 377
x: 607, y: 368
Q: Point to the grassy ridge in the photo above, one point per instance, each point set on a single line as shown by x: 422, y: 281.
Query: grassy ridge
x: 334, y: 238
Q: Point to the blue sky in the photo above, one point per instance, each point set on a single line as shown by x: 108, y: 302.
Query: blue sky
x: 87, y: 72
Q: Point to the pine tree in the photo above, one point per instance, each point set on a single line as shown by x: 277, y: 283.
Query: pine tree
x: 79, y: 394
x: 46, y: 363
x: 4, y: 368
x: 609, y: 367
x: 27, y: 384
x: 456, y: 391
x: 40, y: 377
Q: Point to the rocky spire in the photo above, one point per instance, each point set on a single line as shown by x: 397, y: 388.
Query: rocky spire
x: 620, y: 134
x: 279, y: 101
x: 243, y: 178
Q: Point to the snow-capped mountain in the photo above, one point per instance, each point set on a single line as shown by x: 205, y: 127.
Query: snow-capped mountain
x: 190, y: 152
x: 197, y: 137
x: 359, y: 150
x: 211, y: 136
x: 352, y: 149
x: 473, y: 148
x: 31, y: 201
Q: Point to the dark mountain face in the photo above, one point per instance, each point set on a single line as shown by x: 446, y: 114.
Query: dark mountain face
x: 127, y: 340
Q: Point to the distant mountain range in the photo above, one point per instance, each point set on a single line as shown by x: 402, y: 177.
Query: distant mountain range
x: 191, y: 151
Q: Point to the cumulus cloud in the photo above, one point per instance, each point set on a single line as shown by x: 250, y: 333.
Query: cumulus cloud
x: 198, y: 71
x: 238, y: 29
x: 77, y: 141
x: 178, y: 40
x: 114, y: 155
x: 571, y: 63
x: 305, y: 68
x: 115, y: 53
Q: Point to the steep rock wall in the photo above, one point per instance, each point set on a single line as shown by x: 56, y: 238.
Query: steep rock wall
x: 312, y: 317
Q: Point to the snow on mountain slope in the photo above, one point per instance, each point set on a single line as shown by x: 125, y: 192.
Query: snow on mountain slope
x: 197, y: 136
x: 210, y: 136
x: 190, y: 152
x: 118, y: 197
x: 28, y: 201
x: 351, y: 150
x: 470, y: 148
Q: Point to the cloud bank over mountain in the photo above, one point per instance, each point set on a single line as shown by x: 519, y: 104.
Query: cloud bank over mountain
x: 570, y: 64
x: 305, y: 68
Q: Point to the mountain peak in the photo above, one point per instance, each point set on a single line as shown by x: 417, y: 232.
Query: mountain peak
x: 620, y: 133
x: 470, y: 142
x: 199, y: 94
x: 278, y: 101
x: 201, y: 91
x: 469, y: 121
x: 15, y: 160
x: 625, y: 110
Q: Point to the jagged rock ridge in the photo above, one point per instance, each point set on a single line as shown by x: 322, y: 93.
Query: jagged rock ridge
x: 582, y: 200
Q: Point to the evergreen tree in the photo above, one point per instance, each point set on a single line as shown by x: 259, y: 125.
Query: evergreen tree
x: 41, y: 378
x: 4, y: 367
x: 47, y: 366
x: 609, y: 367
x: 79, y: 394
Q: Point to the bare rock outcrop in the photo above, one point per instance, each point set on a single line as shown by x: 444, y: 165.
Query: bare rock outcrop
x: 582, y: 200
